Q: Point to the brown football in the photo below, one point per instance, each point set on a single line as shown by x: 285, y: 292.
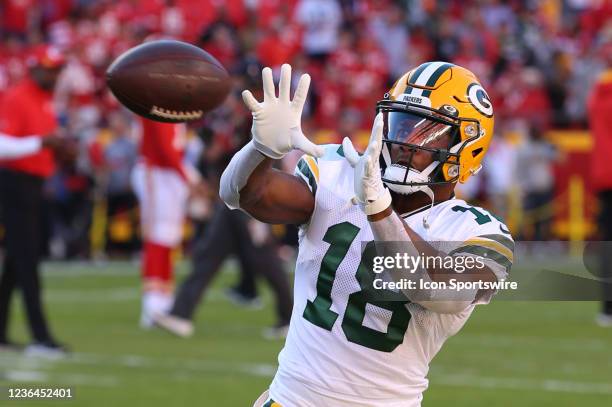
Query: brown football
x: 168, y: 81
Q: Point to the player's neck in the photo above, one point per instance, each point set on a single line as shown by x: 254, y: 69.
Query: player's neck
x: 409, y: 203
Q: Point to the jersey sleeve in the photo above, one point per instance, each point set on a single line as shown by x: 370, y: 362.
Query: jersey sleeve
x: 161, y: 138
x: 490, y: 242
x: 496, y: 250
x: 307, y: 168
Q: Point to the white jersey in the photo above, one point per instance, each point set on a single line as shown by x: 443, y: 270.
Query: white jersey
x: 342, y: 350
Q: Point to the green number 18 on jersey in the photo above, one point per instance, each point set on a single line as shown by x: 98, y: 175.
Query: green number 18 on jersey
x: 340, y: 237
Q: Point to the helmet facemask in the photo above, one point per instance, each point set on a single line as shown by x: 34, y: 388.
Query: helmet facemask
x: 421, y: 146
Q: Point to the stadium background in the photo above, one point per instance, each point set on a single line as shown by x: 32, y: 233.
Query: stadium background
x: 538, y: 61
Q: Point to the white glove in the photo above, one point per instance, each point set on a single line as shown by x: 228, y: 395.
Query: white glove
x: 276, y: 122
x: 370, y: 192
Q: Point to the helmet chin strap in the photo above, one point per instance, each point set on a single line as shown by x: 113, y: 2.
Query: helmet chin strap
x: 396, y: 172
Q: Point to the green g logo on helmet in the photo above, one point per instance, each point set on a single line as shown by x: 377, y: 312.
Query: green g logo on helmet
x: 479, y: 99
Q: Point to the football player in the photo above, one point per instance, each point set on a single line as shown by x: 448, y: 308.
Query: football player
x: 348, y: 345
x: 162, y: 183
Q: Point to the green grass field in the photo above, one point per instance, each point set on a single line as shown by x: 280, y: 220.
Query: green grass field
x: 509, y: 353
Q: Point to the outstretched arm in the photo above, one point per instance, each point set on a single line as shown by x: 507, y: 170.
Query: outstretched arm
x: 274, y: 196
x: 249, y: 182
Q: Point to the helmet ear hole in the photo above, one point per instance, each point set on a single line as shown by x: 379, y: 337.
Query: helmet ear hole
x: 476, y: 152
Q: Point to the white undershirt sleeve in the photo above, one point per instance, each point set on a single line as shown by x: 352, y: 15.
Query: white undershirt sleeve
x: 17, y: 147
x: 237, y: 174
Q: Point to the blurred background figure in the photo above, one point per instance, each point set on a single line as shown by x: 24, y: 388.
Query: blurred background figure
x: 320, y: 21
x: 600, y: 114
x: 535, y: 178
x: 68, y: 209
x: 500, y: 177
x: 119, y: 158
x: 392, y: 35
x: 162, y: 184
x: 27, y: 109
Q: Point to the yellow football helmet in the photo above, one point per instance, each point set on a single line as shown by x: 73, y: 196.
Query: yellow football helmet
x: 441, y: 110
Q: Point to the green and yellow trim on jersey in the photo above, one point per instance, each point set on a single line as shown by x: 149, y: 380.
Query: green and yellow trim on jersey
x: 308, y: 169
x: 496, y: 248
x: 271, y: 403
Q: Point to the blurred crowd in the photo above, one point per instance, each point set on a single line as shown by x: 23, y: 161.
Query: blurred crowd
x: 537, y: 60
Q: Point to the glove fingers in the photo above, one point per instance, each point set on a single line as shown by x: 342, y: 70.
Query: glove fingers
x: 375, y: 143
x: 268, y: 84
x: 301, y: 142
x: 301, y: 92
x: 250, y: 101
x: 349, y: 152
x: 285, y: 83
x: 368, y: 166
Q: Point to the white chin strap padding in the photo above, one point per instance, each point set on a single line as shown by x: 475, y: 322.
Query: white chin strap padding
x: 396, y: 172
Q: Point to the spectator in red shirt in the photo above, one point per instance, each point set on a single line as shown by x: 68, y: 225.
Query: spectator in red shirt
x: 27, y: 110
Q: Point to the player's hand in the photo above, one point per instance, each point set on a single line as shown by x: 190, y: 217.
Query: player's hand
x: 276, y: 121
x: 201, y: 190
x: 201, y: 195
x: 65, y: 148
x: 370, y: 192
x: 53, y: 142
